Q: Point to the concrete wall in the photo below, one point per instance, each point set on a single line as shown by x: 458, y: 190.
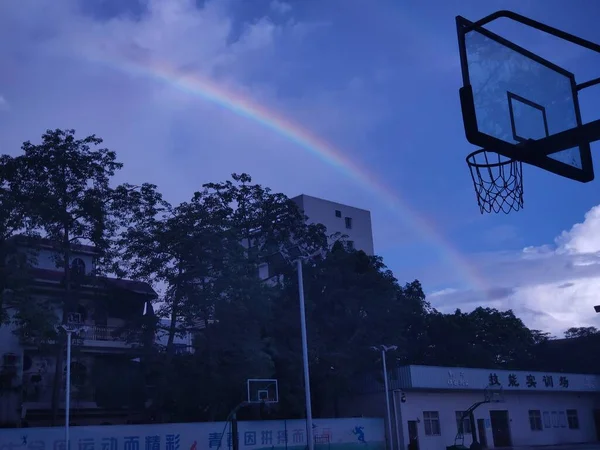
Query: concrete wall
x: 324, y: 212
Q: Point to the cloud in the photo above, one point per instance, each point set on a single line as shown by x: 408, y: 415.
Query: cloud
x: 4, y: 106
x: 552, y: 287
x: 280, y: 7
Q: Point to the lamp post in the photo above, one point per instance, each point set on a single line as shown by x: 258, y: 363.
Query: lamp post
x: 297, y: 255
x: 69, y: 329
x: 309, y: 427
x: 384, y: 349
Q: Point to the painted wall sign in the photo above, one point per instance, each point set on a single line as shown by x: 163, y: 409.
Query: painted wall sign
x: 424, y: 377
x: 258, y: 435
x: 457, y: 379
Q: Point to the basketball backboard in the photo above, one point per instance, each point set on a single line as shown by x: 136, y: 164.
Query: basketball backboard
x: 521, y: 106
x: 493, y: 394
x: 262, y: 390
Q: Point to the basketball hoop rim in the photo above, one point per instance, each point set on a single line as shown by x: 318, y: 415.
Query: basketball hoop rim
x: 472, y: 163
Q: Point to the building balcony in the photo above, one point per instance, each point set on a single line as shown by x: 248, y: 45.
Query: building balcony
x: 105, y: 336
x: 99, y: 336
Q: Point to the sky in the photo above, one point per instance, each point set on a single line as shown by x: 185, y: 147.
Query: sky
x: 355, y: 101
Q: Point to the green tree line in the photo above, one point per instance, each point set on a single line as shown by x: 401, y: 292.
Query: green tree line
x: 204, y: 256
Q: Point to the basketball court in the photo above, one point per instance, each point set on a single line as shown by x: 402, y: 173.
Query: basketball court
x: 519, y: 108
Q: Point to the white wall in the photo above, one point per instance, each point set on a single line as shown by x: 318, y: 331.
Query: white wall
x: 45, y: 260
x: 518, y: 406
x: 323, y: 211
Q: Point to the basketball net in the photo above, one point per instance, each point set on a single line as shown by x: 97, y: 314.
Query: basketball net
x: 498, y: 181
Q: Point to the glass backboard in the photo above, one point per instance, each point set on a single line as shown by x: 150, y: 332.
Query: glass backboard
x: 515, y: 97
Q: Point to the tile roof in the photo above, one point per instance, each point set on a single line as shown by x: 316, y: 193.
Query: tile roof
x: 139, y: 287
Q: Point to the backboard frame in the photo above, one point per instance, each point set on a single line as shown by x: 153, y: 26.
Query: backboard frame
x: 494, y: 394
x: 262, y: 381
x: 529, y: 151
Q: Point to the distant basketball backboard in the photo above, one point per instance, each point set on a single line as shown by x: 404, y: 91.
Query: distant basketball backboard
x: 262, y: 390
x: 493, y: 394
x: 522, y: 107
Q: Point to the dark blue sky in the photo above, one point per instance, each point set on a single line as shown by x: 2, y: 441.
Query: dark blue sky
x: 377, y: 79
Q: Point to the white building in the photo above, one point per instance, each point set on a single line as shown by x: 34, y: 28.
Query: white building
x: 106, y: 312
x: 537, y: 408
x: 338, y: 218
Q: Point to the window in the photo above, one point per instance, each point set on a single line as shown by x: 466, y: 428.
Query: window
x: 432, y: 423
x: 78, y: 267
x: 572, y: 419
x: 466, y: 422
x: 74, y: 318
x: 535, y: 420
x: 338, y: 213
x: 547, y: 421
x: 348, y: 221
x: 554, y: 419
x: 562, y: 419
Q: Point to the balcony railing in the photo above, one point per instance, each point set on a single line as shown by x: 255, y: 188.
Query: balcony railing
x: 102, y: 333
x: 99, y: 334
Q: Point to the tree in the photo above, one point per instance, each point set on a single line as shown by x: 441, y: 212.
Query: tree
x: 207, y: 253
x: 32, y: 321
x: 67, y: 182
x: 580, y: 332
x: 572, y: 354
x: 194, y: 252
x: 13, y: 221
x: 353, y: 304
x: 484, y: 337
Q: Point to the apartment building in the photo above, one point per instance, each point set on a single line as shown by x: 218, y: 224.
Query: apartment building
x: 340, y: 219
x: 107, y: 314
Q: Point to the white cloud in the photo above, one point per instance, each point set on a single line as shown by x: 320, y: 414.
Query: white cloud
x: 582, y: 238
x: 280, y: 7
x: 3, y: 104
x: 552, y: 287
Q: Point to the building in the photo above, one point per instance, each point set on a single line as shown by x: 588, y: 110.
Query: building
x: 183, y: 342
x: 340, y: 219
x: 107, y: 313
x: 525, y: 408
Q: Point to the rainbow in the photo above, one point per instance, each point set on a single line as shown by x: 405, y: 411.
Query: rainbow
x: 243, y: 106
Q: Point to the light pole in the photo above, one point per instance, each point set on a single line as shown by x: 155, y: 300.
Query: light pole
x: 309, y: 427
x: 297, y: 254
x: 384, y: 349
x: 69, y: 330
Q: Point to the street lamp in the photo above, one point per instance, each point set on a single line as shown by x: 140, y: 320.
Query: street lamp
x: 297, y: 254
x: 309, y: 427
x: 69, y: 329
x: 597, y: 308
x: 384, y: 349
